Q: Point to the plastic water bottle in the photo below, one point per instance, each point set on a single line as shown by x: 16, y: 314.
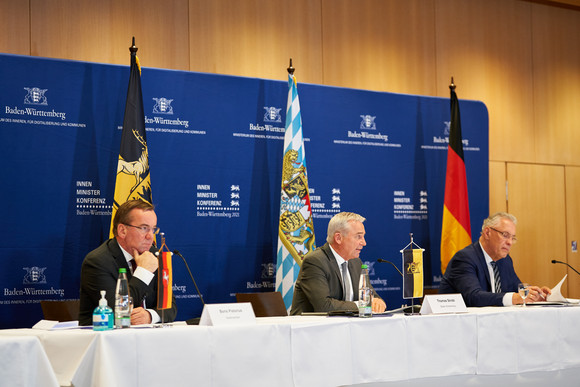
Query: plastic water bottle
x: 365, y: 296
x: 122, y: 304
x: 103, y: 318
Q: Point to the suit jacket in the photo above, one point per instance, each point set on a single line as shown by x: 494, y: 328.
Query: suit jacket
x: 467, y: 273
x: 319, y: 284
x: 100, y: 271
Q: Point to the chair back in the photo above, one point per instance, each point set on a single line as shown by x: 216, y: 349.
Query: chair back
x: 60, y: 310
x: 264, y: 304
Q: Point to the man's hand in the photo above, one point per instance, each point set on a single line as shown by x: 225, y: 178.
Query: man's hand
x: 146, y: 260
x: 536, y: 294
x: 140, y: 316
x: 379, y: 305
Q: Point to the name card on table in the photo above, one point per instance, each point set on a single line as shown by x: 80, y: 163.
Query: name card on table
x: 240, y: 313
x: 443, y: 303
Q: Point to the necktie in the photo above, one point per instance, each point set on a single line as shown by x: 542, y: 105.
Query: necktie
x: 346, y: 282
x: 133, y: 266
x: 496, y: 276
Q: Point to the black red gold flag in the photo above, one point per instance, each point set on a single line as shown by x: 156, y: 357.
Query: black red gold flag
x: 456, y: 229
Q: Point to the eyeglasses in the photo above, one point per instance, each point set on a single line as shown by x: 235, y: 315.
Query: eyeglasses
x: 506, y: 235
x: 145, y: 229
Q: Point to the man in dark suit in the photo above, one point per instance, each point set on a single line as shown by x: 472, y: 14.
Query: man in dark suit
x: 471, y: 272
x: 134, y: 229
x: 320, y: 287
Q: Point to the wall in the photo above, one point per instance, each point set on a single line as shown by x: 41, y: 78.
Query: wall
x: 520, y: 58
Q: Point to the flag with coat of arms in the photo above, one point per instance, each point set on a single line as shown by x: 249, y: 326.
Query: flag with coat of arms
x: 296, y: 230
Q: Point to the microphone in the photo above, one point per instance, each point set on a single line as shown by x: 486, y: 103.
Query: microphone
x: 186, y: 265
x: 564, y: 263
x: 385, y: 261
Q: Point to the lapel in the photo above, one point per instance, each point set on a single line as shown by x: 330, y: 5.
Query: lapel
x: 117, y: 253
x: 482, y: 264
x: 332, y: 263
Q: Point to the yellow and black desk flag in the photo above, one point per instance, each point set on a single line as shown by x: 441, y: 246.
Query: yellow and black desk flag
x: 133, y: 179
x: 412, y: 273
x: 456, y: 229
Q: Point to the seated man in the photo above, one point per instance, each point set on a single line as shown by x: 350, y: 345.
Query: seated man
x: 319, y: 287
x: 134, y: 229
x: 471, y: 271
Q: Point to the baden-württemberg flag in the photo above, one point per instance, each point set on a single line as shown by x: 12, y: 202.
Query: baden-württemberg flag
x: 133, y: 180
x: 296, y: 232
x: 456, y: 229
x: 412, y: 273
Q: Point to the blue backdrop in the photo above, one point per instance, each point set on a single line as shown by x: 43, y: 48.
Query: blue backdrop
x: 215, y: 153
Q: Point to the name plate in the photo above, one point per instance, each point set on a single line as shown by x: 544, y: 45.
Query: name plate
x: 443, y: 303
x: 240, y: 313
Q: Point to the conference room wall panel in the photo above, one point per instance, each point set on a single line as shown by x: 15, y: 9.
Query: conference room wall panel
x: 556, y: 38
x: 537, y: 198
x: 497, y: 190
x: 15, y: 27
x: 101, y: 31
x: 256, y: 38
x: 380, y: 45
x: 486, y: 46
x: 572, y: 231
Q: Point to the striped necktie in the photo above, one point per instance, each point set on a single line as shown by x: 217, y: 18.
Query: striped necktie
x: 346, y: 282
x: 497, y: 278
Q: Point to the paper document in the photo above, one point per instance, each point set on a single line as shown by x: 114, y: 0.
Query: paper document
x: 557, y: 296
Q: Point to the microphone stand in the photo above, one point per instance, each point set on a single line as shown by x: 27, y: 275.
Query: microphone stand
x: 564, y: 263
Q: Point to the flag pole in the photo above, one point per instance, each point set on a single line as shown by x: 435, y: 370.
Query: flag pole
x: 290, y: 68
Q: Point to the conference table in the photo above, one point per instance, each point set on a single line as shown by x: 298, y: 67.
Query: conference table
x: 500, y: 346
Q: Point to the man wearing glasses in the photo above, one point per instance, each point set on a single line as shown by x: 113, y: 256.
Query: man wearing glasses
x: 483, y: 272
x: 134, y: 230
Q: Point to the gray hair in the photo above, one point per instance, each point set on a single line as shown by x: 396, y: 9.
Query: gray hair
x: 340, y: 223
x: 495, y: 219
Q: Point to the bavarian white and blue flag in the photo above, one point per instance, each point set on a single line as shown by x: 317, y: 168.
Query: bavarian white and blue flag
x: 296, y: 231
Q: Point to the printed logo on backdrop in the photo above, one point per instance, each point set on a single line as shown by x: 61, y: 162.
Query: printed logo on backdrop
x: 34, y: 275
x: 160, y: 122
x: 162, y: 106
x: 379, y: 284
x: 89, y: 200
x: 270, y: 128
x: 272, y: 114
x: 35, y: 96
x: 368, y: 122
x: 368, y: 133
x: 441, y: 141
x: 268, y: 270
x: 36, y: 113
x: 324, y: 204
x: 218, y: 202
x: 407, y: 206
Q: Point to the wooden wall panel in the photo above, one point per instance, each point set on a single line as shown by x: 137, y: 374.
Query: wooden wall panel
x: 556, y: 37
x: 256, y: 38
x: 101, y: 31
x: 497, y: 187
x: 537, y: 199
x: 486, y: 46
x: 14, y: 27
x: 384, y: 45
x: 572, y: 232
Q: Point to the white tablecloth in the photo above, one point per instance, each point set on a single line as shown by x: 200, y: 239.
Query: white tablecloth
x: 319, y: 351
x: 23, y: 363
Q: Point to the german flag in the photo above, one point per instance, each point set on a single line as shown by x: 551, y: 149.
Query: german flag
x: 133, y: 180
x: 456, y: 229
x: 164, y: 281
